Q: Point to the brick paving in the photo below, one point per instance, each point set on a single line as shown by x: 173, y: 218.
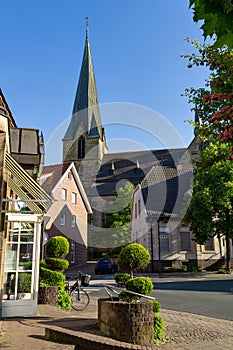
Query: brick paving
x: 184, y: 331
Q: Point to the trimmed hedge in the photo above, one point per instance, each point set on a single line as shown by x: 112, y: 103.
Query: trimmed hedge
x: 142, y: 285
x: 121, y: 278
x: 51, y: 278
x: 56, y: 264
x: 57, y: 247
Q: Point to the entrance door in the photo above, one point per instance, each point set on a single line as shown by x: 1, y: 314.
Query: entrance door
x: 21, y: 271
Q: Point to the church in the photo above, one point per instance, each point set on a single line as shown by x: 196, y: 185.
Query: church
x: 85, y: 144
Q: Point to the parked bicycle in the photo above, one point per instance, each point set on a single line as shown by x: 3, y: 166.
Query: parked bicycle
x: 79, y: 297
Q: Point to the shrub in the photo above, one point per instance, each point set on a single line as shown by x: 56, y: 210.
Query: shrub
x: 156, y: 305
x: 159, y: 328
x: 57, y: 247
x: 64, y: 300
x: 142, y: 285
x: 121, y: 278
x: 24, y: 283
x: 132, y: 257
x: 192, y: 266
x: 51, y: 278
x: 56, y: 264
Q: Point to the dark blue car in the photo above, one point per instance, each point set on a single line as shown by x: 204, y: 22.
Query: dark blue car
x: 105, y: 265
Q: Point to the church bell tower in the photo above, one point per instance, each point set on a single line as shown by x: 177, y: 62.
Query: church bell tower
x: 84, y: 142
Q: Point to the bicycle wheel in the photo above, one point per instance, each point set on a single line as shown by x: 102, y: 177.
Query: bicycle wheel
x: 79, y: 299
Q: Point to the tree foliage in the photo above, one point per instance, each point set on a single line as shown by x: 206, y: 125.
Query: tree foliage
x: 133, y: 257
x: 116, y: 232
x: 217, y: 16
x: 214, y: 102
x: 211, y: 208
x: 57, y: 247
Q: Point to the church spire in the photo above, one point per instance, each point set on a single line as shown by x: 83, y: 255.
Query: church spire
x: 86, y: 106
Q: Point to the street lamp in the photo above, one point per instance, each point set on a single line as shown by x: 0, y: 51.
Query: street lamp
x: 159, y: 248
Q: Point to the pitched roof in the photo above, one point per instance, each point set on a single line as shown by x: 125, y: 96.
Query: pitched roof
x: 118, y: 168
x: 52, y: 175
x: 86, y: 106
x: 163, y: 190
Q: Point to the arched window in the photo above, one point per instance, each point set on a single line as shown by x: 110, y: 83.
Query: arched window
x: 81, y: 147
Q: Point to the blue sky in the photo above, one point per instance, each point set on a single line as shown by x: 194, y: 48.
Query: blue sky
x: 136, y: 47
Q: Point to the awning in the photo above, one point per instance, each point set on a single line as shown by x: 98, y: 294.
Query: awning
x: 26, y: 188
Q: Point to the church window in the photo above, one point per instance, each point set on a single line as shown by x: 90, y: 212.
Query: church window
x: 81, y: 148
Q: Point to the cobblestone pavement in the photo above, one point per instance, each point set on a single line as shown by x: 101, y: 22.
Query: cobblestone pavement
x: 184, y: 331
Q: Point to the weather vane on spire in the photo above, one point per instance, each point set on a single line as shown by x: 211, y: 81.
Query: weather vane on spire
x: 86, y: 18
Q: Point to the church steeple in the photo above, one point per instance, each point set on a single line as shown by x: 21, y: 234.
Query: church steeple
x: 86, y: 106
x: 84, y: 142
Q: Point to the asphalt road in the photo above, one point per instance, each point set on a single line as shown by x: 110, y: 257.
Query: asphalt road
x: 213, y: 298
x: 202, y: 296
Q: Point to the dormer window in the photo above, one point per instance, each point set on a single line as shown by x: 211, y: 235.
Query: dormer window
x: 81, y: 148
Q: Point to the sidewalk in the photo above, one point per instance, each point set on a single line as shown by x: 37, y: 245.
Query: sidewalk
x: 184, y: 331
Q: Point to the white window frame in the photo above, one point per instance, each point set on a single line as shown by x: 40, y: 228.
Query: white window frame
x: 62, y: 219
x: 63, y: 194
x: 74, y: 198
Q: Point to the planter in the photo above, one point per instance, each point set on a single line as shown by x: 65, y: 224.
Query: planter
x: 48, y: 295
x: 128, y: 322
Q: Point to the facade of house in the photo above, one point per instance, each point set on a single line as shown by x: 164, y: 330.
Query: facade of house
x: 70, y: 210
x: 23, y: 204
x: 158, y: 206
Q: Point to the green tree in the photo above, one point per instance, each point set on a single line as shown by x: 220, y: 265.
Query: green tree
x: 210, y: 211
x: 217, y: 16
x: 214, y: 102
x: 120, y: 215
x: 133, y: 257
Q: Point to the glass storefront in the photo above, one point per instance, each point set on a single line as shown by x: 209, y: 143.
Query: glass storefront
x: 19, y: 262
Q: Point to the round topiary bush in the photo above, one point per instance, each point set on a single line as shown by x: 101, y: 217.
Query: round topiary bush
x: 141, y: 285
x: 57, y: 247
x: 133, y: 257
x: 121, y: 278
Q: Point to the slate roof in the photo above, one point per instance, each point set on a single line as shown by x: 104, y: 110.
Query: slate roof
x: 163, y: 190
x: 118, y: 168
x: 86, y: 106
